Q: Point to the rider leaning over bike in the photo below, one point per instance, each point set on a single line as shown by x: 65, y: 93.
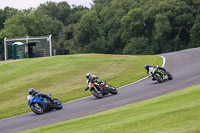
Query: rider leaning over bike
x: 90, y: 78
x: 148, y: 68
x: 34, y: 93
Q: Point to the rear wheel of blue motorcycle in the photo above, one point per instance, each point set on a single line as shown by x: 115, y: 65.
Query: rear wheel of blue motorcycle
x: 57, y: 104
x: 37, y: 108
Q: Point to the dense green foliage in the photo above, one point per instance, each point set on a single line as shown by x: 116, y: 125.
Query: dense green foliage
x: 109, y: 26
x: 177, y: 112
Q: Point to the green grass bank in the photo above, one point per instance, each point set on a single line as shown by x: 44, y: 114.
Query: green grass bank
x: 64, y: 77
x: 177, y: 112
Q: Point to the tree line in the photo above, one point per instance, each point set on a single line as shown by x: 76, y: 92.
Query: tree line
x: 109, y: 26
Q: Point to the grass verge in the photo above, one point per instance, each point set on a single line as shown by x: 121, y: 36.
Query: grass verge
x: 64, y: 77
x: 177, y: 112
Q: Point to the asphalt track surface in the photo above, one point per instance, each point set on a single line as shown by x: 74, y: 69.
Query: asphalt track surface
x: 184, y: 66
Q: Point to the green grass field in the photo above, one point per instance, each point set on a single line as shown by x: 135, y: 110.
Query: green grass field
x: 64, y: 77
x: 177, y: 112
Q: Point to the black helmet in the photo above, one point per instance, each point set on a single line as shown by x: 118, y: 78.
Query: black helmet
x: 146, y: 66
x: 31, y: 91
x: 88, y: 75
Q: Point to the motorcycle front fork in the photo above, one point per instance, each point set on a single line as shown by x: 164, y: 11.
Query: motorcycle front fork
x: 99, y: 91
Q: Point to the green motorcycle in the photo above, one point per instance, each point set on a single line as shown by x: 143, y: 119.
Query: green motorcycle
x: 159, y: 74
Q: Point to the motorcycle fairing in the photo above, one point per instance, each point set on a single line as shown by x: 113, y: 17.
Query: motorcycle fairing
x: 163, y: 75
x: 37, y: 99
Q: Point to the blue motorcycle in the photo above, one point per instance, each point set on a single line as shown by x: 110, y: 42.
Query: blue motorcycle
x: 39, y: 104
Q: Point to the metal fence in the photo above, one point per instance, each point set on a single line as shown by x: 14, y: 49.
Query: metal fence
x: 43, y: 45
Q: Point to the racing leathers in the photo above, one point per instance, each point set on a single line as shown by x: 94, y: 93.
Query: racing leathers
x: 149, y: 69
x: 92, y: 79
x: 37, y: 93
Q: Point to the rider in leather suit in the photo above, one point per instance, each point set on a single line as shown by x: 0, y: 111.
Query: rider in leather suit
x: 34, y: 93
x: 90, y: 78
x: 147, y: 67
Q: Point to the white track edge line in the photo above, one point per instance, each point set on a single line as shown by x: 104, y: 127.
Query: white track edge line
x: 164, y: 61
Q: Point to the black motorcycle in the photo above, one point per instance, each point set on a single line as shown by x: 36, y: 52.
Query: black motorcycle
x: 39, y: 104
x: 100, y: 88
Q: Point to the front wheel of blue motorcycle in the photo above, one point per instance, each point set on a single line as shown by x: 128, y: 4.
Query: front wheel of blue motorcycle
x: 37, y: 108
x: 57, y: 104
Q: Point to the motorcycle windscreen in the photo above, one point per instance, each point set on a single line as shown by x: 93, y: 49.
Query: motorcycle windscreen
x: 29, y: 98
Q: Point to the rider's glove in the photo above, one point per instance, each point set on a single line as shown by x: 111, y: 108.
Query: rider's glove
x: 86, y: 88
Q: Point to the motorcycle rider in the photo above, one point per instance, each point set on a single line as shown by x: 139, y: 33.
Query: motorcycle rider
x: 90, y: 78
x: 148, y: 67
x: 34, y: 93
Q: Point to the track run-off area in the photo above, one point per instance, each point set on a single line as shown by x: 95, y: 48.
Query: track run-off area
x: 184, y: 66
